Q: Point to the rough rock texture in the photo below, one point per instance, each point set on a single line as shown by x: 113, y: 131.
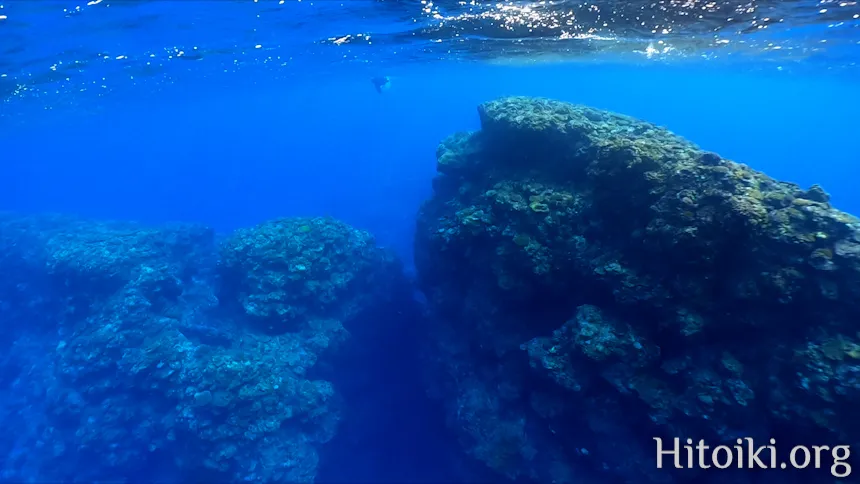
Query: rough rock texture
x: 598, y: 281
x: 120, y: 355
x: 286, y: 272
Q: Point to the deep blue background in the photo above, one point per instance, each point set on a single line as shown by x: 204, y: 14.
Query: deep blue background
x: 235, y: 149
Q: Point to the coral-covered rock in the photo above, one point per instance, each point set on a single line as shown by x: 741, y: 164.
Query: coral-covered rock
x: 581, y: 262
x: 288, y: 271
x: 137, y: 368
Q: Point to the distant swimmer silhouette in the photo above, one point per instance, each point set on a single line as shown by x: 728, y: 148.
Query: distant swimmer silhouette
x: 381, y: 83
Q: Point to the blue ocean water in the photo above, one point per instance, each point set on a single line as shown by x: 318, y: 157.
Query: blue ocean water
x: 239, y: 150
x: 230, y: 114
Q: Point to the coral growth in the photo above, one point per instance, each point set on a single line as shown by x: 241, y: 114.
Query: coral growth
x: 622, y: 283
x: 136, y: 367
x: 286, y: 272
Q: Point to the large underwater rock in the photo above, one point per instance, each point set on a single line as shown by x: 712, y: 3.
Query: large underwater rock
x: 597, y: 281
x: 133, y: 351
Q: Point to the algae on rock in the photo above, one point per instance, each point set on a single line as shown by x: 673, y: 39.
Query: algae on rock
x: 616, y: 266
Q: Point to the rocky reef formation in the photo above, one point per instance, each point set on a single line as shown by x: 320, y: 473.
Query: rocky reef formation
x: 287, y: 272
x: 597, y: 281
x: 162, y: 354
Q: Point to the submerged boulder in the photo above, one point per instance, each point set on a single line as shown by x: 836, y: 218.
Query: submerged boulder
x: 598, y: 281
x: 286, y: 272
x: 139, y: 369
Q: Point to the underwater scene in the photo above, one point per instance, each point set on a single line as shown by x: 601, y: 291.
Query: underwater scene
x: 430, y: 241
